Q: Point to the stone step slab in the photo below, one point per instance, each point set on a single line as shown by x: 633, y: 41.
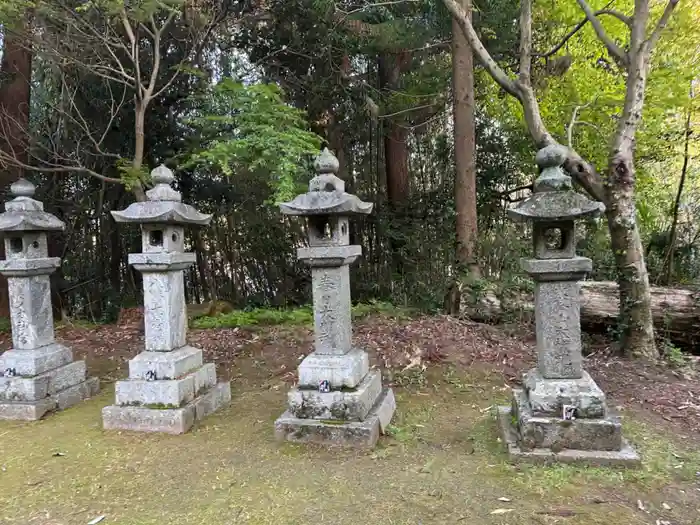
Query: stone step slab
x: 165, y: 365
x: 35, y: 410
x: 170, y: 393
x: 556, y: 433
x: 548, y: 396
x: 355, y: 434
x: 627, y: 456
x: 340, y: 404
x: 29, y: 363
x: 342, y: 371
x: 43, y: 385
x: 167, y: 420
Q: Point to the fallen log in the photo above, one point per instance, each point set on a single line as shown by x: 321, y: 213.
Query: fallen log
x: 676, y: 311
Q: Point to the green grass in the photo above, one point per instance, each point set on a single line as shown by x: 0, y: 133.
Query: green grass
x: 441, y: 463
x: 299, y: 316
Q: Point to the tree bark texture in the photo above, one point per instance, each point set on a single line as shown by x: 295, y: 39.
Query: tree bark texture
x: 465, y: 148
x: 668, y: 259
x: 139, y: 148
x: 636, y: 322
x: 16, y: 71
x: 395, y: 135
x: 675, y: 311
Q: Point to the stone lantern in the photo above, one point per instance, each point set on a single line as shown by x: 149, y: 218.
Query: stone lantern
x: 37, y: 375
x: 560, y: 414
x: 169, y: 387
x: 338, y: 400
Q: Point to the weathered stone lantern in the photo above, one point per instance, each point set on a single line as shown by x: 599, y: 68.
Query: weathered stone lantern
x: 37, y: 375
x: 169, y: 387
x: 560, y: 414
x: 338, y: 399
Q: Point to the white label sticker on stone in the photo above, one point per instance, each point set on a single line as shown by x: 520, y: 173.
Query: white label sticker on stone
x: 568, y: 412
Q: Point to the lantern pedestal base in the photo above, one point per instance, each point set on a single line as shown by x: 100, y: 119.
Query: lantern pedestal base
x: 346, y: 405
x: 547, y: 397
x: 589, y: 441
x: 37, y: 361
x: 166, y: 392
x: 358, y: 434
x: 167, y: 420
x: 34, y: 410
x: 341, y: 371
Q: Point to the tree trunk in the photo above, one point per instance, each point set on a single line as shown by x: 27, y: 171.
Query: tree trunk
x: 395, y: 135
x: 675, y: 311
x: 465, y: 163
x: 208, y: 289
x: 139, y: 148
x: 15, y: 91
x: 668, y: 259
x: 465, y: 148
x: 636, y: 323
x: 395, y: 162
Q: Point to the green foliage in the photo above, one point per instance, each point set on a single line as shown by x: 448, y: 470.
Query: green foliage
x: 674, y: 356
x: 131, y: 175
x: 257, y: 317
x: 303, y: 315
x: 12, y: 12
x: 250, y: 127
x: 5, y: 325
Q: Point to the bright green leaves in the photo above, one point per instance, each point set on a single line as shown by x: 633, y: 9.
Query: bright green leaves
x: 251, y: 128
x: 136, y: 10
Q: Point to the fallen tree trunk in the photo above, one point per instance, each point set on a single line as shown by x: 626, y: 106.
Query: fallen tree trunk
x: 676, y: 311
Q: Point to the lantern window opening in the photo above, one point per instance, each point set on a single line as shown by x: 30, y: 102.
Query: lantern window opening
x: 155, y: 237
x: 555, y: 239
x: 16, y: 244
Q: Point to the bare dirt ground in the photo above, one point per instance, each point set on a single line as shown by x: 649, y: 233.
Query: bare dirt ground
x: 442, y: 462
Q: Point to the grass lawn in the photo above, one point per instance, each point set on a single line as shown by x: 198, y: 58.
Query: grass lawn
x: 442, y: 463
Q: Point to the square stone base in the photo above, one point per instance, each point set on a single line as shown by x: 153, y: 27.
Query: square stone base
x: 349, y: 405
x: 170, y: 393
x: 34, y: 410
x: 165, y: 365
x: 35, y: 388
x: 556, y: 433
x: 548, y: 396
x: 167, y: 420
x: 625, y: 457
x: 342, y: 371
x: 359, y: 434
x: 29, y: 363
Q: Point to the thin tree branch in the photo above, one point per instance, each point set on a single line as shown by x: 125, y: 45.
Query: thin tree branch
x: 378, y: 4
x: 12, y: 161
x: 615, y: 51
x: 409, y: 110
x: 661, y: 24
x: 575, y: 30
x: 134, y: 55
x: 573, y: 122
x: 525, y: 41
x: 496, y: 72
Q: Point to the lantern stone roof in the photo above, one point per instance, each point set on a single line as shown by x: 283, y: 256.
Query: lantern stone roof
x: 24, y: 213
x: 553, y: 197
x: 164, y: 205
x: 326, y: 195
